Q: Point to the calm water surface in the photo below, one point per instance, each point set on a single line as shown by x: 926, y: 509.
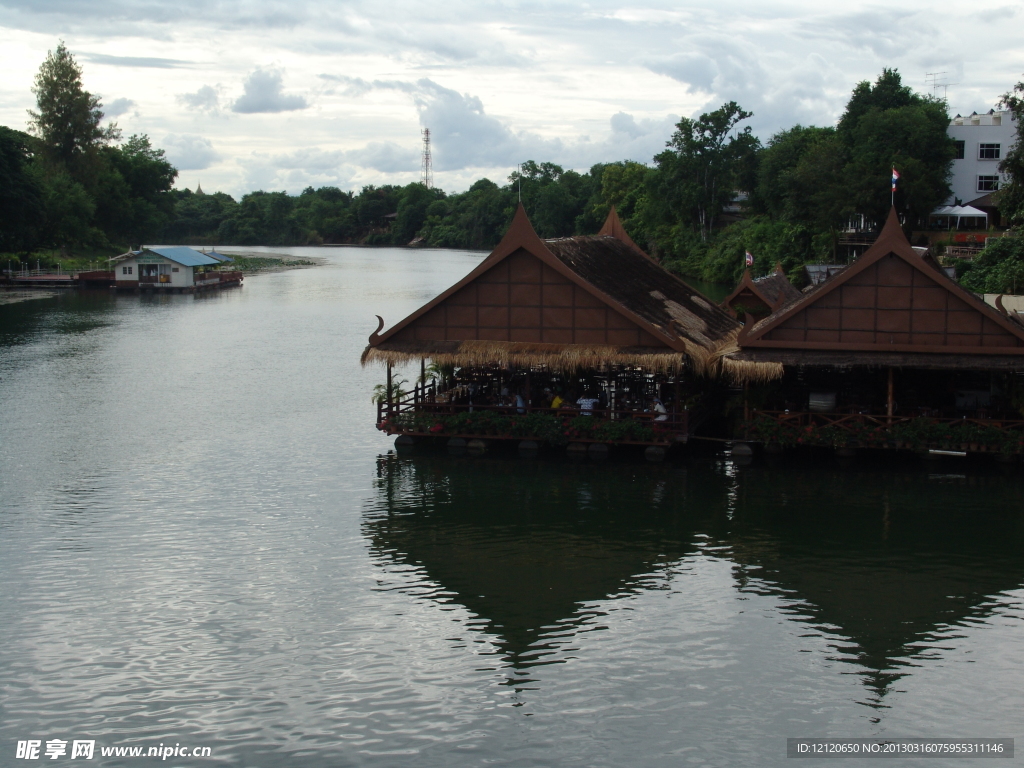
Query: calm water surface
x: 204, y: 541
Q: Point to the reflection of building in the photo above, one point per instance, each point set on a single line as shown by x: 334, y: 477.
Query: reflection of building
x: 516, y: 550
x: 982, y: 142
x: 530, y: 549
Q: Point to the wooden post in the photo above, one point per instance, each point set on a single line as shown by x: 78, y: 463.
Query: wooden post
x: 389, y: 390
x: 677, y: 406
x: 746, y: 402
x: 889, y: 403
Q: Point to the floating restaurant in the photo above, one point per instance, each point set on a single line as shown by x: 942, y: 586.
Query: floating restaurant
x: 175, y: 269
x: 581, y: 341
x: 887, y: 353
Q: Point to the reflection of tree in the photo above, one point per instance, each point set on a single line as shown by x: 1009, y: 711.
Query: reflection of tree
x: 526, y: 548
x: 887, y: 560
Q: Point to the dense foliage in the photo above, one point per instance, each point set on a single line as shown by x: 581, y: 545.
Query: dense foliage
x: 1011, y: 196
x: 70, y: 185
x: 75, y: 184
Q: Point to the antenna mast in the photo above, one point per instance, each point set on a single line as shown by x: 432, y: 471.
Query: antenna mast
x: 427, y: 170
x: 936, y: 80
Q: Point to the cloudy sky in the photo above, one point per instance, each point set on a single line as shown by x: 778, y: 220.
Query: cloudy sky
x: 276, y: 94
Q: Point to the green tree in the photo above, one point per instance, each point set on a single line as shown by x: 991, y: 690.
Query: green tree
x: 69, y: 212
x: 132, y: 191
x: 22, y: 210
x: 705, y: 164
x: 800, y: 181
x: 997, y: 269
x: 1011, y: 196
x: 68, y: 120
x: 885, y: 126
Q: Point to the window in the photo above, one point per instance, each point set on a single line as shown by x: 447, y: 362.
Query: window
x: 988, y: 183
x: 988, y: 151
x: 959, y: 150
x: 124, y: 270
x: 174, y: 269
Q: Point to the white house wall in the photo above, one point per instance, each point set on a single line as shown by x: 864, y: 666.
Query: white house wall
x: 183, y: 278
x: 975, y: 131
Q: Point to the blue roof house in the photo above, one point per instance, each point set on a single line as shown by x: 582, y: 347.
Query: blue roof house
x: 174, y: 269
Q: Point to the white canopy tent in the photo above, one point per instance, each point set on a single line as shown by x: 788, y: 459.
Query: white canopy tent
x: 958, y: 217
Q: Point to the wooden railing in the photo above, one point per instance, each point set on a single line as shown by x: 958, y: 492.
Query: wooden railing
x: 427, y: 400
x: 919, y: 431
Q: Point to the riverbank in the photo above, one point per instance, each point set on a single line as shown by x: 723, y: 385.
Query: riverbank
x: 256, y: 263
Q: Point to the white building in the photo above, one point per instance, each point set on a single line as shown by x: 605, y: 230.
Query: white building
x: 982, y: 142
x: 168, y: 269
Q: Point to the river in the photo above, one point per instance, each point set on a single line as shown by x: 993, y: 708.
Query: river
x: 205, y: 542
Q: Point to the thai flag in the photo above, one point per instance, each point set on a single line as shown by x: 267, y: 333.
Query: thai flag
x: 895, y: 178
x: 750, y: 259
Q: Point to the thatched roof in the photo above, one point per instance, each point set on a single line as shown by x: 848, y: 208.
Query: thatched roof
x: 891, y: 307
x: 771, y: 291
x: 568, y: 303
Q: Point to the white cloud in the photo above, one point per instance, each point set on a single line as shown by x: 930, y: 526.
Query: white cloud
x: 188, y: 152
x: 263, y: 93
x: 205, y: 99
x: 497, y: 84
x: 118, y: 107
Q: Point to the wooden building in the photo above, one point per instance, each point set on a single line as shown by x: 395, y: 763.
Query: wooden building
x: 580, y: 313
x: 891, y: 345
x: 758, y: 297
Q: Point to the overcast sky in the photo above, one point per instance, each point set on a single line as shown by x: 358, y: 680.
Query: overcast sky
x: 283, y: 94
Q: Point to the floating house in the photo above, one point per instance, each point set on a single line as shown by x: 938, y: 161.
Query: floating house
x: 592, y: 320
x: 174, y: 269
x: 890, y: 353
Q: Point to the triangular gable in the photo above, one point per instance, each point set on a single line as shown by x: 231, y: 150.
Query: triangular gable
x: 613, y: 228
x: 889, y: 300
x: 747, y: 295
x: 523, y: 293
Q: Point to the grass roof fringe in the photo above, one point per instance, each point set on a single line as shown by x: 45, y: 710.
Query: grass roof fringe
x: 570, y: 358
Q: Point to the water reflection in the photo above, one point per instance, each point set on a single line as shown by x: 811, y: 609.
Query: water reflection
x: 897, y: 563
x: 881, y: 568
x: 528, y: 548
x: 67, y: 312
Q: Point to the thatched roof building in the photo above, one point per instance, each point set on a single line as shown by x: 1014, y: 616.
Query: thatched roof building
x: 568, y: 303
x: 891, y: 308
x: 759, y: 297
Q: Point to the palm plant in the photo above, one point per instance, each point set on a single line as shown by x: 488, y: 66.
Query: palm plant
x: 382, y: 395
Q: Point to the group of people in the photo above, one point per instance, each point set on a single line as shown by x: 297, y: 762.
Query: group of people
x: 589, y: 403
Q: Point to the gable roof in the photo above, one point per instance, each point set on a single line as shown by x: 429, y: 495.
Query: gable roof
x: 179, y: 254
x: 651, y: 318
x: 773, y: 289
x: 889, y: 301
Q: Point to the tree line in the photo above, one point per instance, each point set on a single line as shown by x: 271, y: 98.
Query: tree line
x: 72, y: 183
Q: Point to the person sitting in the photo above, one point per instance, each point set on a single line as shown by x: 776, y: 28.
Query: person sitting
x: 659, y: 409
x: 546, y: 398
x: 557, y: 401
x: 587, y: 403
x: 520, y: 402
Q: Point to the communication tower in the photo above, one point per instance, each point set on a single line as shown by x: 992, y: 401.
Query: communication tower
x: 427, y: 170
